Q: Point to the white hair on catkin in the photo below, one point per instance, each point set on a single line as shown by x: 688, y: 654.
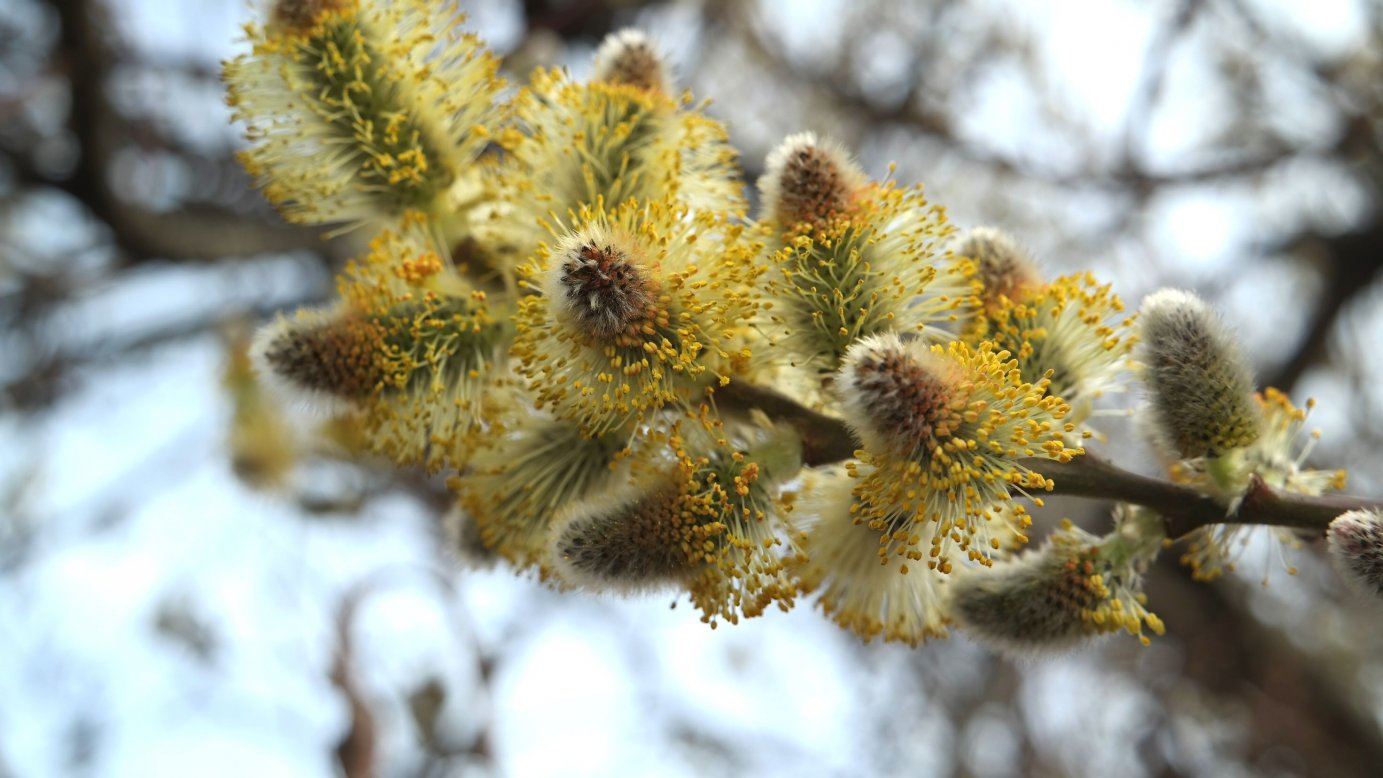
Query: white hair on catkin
x: 629, y: 58
x: 297, y: 366
x: 1199, y: 386
x: 1002, y: 265
x: 808, y: 179
x: 628, y: 541
x: 1355, y: 543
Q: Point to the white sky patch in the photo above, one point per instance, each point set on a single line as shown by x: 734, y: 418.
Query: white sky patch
x: 1328, y: 26
x: 1272, y: 299
x: 809, y: 32
x: 882, y: 67
x: 1095, y: 53
x: 1193, y: 107
x: 1091, y: 739
x: 98, y: 453
x: 1003, y: 114
x: 568, y: 704
x: 1194, y: 228
x: 186, y: 31
x: 1332, y: 414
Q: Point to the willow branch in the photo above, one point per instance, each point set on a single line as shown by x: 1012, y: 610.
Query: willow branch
x: 826, y: 440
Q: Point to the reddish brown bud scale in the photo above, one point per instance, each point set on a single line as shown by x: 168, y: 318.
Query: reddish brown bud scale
x: 1002, y: 266
x: 907, y: 399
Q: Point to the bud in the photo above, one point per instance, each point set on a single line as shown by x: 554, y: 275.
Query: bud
x: 596, y: 145
x: 642, y: 307
x: 1076, y: 586
x: 600, y: 285
x: 1355, y: 540
x: 901, y: 398
x: 944, y: 428
x: 1003, y: 267
x: 852, y: 264
x: 629, y: 58
x: 523, y: 475
x: 322, y: 357
x: 712, y: 525
x: 410, y: 347
x: 1278, y: 457
x: 1199, y: 386
x: 808, y: 180
x: 631, y: 544
x: 1069, y: 330
x: 300, y: 16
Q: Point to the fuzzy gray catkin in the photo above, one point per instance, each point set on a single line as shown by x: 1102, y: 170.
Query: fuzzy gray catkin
x: 1002, y: 266
x: 1199, y: 386
x: 1355, y: 541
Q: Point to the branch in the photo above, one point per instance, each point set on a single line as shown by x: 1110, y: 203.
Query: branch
x: 1184, y: 508
x: 193, y: 232
x: 826, y: 440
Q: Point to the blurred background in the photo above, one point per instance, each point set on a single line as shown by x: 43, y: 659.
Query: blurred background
x: 161, y: 614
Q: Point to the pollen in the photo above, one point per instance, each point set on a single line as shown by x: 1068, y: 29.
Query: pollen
x: 1278, y: 457
x: 711, y: 525
x: 346, y: 122
x: 943, y: 429
x: 587, y: 145
x: 1071, y: 331
x: 1074, y: 587
x: 877, y: 266
x: 640, y: 308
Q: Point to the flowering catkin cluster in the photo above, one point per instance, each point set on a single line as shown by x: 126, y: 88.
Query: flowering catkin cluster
x: 562, y: 280
x: 1212, y: 429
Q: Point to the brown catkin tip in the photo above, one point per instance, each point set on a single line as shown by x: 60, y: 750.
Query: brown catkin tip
x: 300, y: 15
x: 1355, y: 541
x: 630, y: 545
x: 898, y: 396
x: 1199, y: 386
x: 1030, y: 605
x: 1002, y: 266
x: 603, y: 289
x: 340, y: 356
x: 628, y: 58
x: 807, y: 180
x: 1076, y: 586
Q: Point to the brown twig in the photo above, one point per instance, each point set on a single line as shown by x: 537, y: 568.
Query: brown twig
x: 826, y: 440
